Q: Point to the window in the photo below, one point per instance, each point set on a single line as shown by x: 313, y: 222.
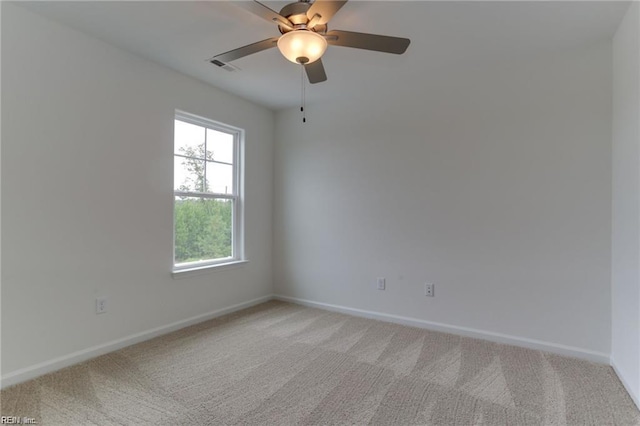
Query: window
x: 207, y: 209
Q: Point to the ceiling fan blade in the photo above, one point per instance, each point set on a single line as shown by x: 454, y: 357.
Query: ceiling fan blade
x: 315, y: 72
x: 325, y: 9
x: 264, y: 12
x: 244, y: 51
x: 376, y: 42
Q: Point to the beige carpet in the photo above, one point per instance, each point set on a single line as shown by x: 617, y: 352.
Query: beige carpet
x: 279, y: 364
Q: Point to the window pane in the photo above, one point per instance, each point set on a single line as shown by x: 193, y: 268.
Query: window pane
x: 188, y: 139
x: 202, y: 229
x: 188, y: 174
x: 219, y: 178
x: 219, y: 146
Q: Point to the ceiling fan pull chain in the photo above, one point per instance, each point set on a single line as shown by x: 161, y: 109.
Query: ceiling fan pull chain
x: 302, y: 94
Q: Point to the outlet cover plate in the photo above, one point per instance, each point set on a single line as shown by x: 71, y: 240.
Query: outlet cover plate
x: 101, y: 305
x: 429, y: 290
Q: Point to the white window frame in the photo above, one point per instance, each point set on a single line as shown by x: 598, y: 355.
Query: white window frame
x: 237, y: 231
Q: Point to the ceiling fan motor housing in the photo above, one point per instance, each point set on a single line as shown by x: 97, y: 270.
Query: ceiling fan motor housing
x: 297, y: 14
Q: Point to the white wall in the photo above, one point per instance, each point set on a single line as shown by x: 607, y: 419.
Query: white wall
x: 625, y: 348
x: 87, y: 148
x: 494, y: 183
x: 0, y: 193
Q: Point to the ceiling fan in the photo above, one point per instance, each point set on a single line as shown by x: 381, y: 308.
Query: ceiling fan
x: 305, y: 36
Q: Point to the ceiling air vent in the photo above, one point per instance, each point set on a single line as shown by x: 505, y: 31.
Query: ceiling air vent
x: 227, y: 67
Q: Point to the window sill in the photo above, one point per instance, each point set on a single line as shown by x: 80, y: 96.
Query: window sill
x: 207, y: 269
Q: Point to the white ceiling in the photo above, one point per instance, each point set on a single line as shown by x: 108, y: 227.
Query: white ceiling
x: 183, y: 34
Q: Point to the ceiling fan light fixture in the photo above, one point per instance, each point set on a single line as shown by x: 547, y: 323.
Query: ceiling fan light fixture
x: 299, y: 45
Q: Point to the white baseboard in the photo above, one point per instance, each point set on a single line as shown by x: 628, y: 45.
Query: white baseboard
x: 463, y: 331
x: 632, y: 393
x: 37, y: 370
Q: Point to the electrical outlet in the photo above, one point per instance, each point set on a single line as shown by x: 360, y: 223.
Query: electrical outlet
x: 381, y: 284
x: 101, y: 305
x: 429, y: 289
